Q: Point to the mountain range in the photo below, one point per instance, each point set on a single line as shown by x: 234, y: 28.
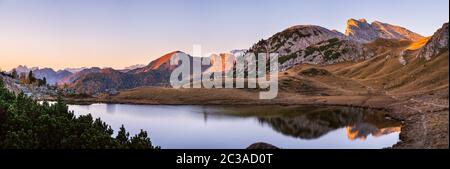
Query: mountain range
x: 317, y: 45
x: 52, y: 76
x: 302, y: 44
x: 64, y: 76
x: 296, y: 45
x: 156, y: 73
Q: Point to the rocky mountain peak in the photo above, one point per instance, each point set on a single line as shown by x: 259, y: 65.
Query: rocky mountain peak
x: 362, y: 31
x: 353, y: 23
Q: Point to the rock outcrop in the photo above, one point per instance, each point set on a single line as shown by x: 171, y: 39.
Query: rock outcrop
x: 261, y: 145
x: 437, y: 44
x: 362, y: 31
x: 294, y: 39
x: 326, y: 52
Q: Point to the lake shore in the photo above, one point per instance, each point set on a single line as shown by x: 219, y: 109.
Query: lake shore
x: 424, y: 115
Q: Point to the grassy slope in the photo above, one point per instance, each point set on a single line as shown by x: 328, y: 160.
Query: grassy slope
x: 385, y: 72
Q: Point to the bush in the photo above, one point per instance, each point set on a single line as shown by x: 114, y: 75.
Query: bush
x: 315, y: 72
x: 286, y: 58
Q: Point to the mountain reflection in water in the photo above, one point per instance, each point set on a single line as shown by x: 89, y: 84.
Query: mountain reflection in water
x: 238, y: 126
x: 314, y: 122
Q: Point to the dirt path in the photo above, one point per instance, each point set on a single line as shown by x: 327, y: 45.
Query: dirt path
x: 429, y: 103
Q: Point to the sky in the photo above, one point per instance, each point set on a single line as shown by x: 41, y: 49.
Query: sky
x: 120, y: 33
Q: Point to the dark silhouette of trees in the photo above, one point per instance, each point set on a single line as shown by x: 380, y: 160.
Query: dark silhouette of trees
x: 14, y: 73
x: 42, y: 82
x: 123, y: 136
x: 27, y: 124
x: 31, y: 78
x: 140, y: 141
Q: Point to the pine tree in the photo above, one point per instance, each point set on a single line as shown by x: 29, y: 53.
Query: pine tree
x: 44, y: 81
x: 26, y: 124
x: 141, y: 141
x: 31, y: 78
x: 123, y: 136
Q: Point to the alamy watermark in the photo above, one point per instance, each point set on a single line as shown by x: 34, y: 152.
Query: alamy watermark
x: 249, y: 70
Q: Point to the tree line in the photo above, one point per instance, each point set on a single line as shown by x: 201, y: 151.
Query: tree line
x: 27, y: 124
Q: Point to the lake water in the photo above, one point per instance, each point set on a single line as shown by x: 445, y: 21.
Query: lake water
x: 296, y: 127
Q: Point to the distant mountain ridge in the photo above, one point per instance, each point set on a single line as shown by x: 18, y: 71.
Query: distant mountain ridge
x: 330, y: 51
x: 52, y: 76
x: 24, y: 69
x: 156, y: 73
x: 71, y: 78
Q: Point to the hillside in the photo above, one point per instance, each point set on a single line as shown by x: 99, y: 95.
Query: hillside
x: 70, y: 79
x: 294, y: 39
x: 330, y: 51
x: 395, y: 70
x: 10, y: 84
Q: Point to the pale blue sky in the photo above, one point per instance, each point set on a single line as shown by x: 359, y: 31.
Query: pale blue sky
x: 119, y: 33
